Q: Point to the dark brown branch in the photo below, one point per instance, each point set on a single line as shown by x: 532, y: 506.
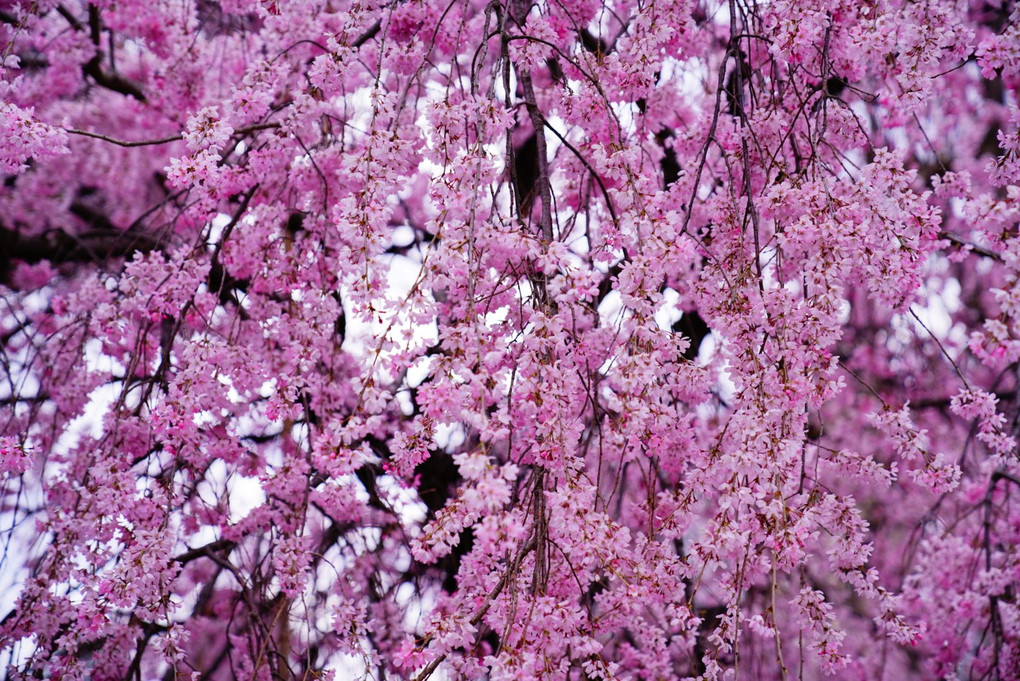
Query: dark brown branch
x: 165, y: 140
x: 70, y: 18
x: 218, y: 546
x: 978, y: 250
x: 112, y: 81
x: 1002, y: 475
x: 93, y: 67
x: 58, y: 246
x: 372, y: 31
x: 542, y: 184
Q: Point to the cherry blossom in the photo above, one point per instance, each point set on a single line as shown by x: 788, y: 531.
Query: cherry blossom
x: 509, y: 340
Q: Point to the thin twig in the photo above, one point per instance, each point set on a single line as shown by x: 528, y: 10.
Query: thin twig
x: 163, y: 140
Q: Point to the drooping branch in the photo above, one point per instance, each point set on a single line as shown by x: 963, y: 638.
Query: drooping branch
x: 93, y: 68
x: 58, y: 247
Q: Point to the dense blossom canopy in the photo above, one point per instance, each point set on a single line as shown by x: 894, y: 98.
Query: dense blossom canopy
x: 509, y: 339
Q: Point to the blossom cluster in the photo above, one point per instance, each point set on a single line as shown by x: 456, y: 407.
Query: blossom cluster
x: 567, y: 340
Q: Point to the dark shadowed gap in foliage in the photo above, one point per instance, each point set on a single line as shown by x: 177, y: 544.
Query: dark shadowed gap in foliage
x: 693, y: 327
x: 525, y: 174
x: 438, y: 478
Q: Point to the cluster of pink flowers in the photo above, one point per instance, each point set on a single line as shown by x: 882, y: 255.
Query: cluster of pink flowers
x: 573, y: 340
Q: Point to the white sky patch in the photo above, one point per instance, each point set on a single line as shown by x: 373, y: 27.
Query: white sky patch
x: 844, y: 311
x: 90, y: 422
x: 497, y: 317
x: 935, y: 313
x: 939, y: 299
x: 402, y: 235
x: 419, y: 371
x: 577, y: 238
x: 392, y: 318
x: 216, y: 227
x: 405, y: 502
x: 213, y: 483
x: 709, y: 347
x: 611, y: 310
x: 448, y: 436
x: 668, y: 313
x: 244, y: 495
